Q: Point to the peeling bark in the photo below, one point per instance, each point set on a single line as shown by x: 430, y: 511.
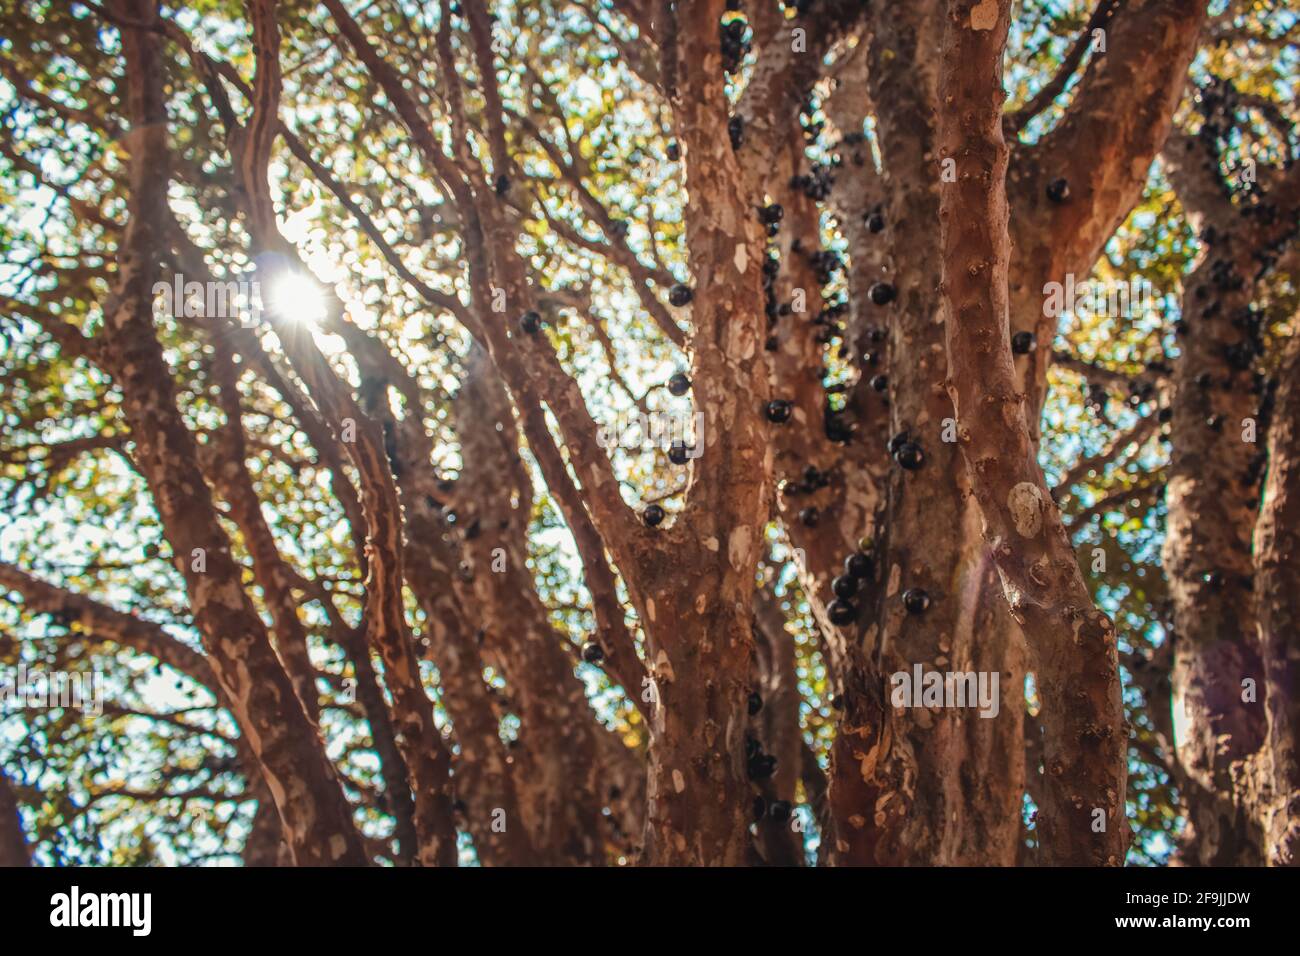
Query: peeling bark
x: 1072, y: 643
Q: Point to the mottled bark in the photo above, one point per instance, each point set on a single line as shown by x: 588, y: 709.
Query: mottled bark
x: 1220, y: 727
x: 776, y: 724
x: 1277, y: 587
x: 699, y: 635
x: 316, y: 817
x: 917, y: 785
x: 558, y: 771
x: 1072, y: 643
x: 226, y: 465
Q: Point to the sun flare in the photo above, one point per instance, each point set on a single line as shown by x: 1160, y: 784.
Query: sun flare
x: 297, y: 298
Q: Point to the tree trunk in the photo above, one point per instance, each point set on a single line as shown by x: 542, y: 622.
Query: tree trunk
x: 1277, y: 587
x: 1082, y: 820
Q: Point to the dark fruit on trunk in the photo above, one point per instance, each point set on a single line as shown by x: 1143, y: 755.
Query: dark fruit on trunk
x: 679, y: 384
x: 845, y: 586
x: 530, y: 323
x: 882, y: 293
x: 858, y: 565
x: 809, y: 517
x: 778, y: 411
x: 909, y: 456
x: 592, y: 652
x: 679, y: 295
x: 916, y: 600
x: 841, y: 613
x: 653, y: 515
x: 1022, y: 343
x: 1058, y: 190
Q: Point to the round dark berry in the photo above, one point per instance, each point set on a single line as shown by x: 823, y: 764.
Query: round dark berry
x: 909, y: 456
x: 680, y: 295
x: 779, y: 410
x: 875, y: 222
x: 677, y: 453
x: 879, y: 383
x: 770, y: 215
x: 674, y: 152
x: 916, y: 600
x: 502, y: 185
x: 858, y: 565
x: 679, y: 384
x: 841, y: 613
x: 653, y: 515
x: 1022, y: 343
x: 755, y: 702
x: 1058, y: 190
x: 882, y: 293
x: 530, y: 323
x: 592, y: 652
x: 809, y: 517
x: 779, y: 811
x: 811, y: 474
x: 845, y: 586
x: 898, y: 441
